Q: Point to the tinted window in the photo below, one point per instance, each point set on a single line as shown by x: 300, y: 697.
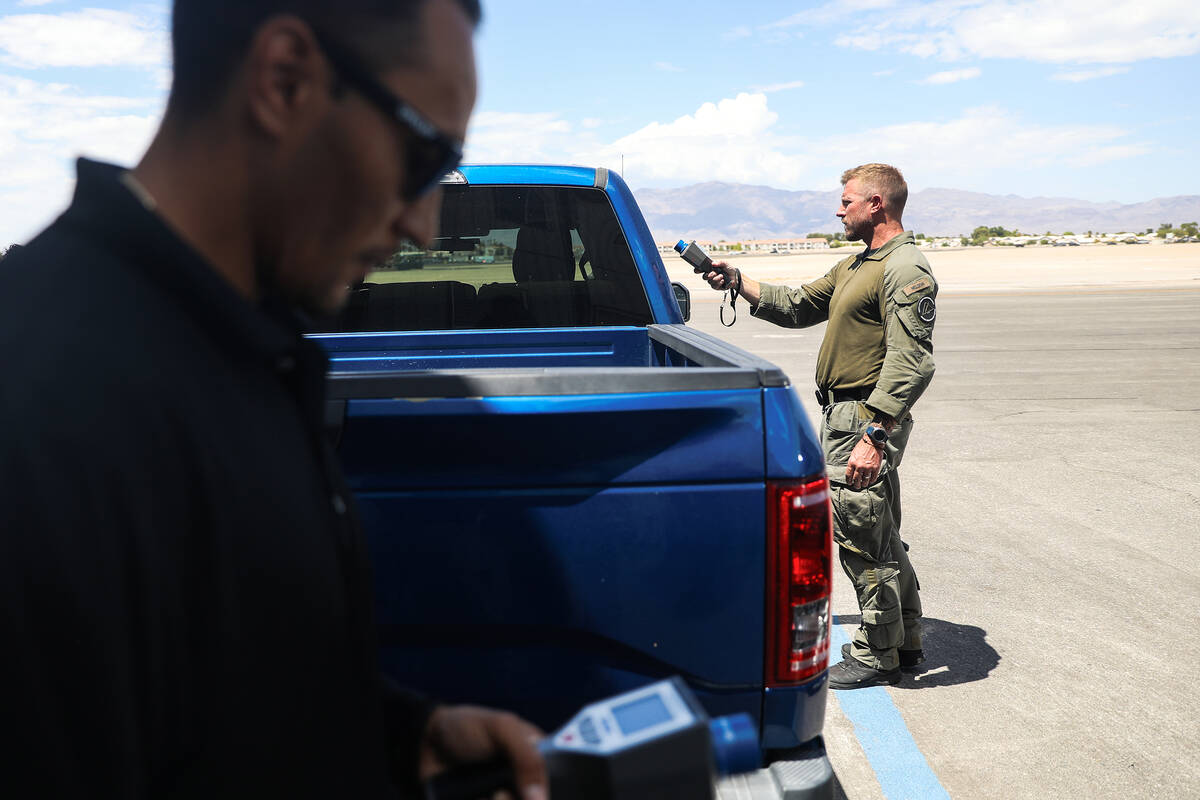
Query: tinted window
x: 508, y: 257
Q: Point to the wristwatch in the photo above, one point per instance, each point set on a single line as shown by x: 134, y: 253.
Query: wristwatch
x: 877, y: 434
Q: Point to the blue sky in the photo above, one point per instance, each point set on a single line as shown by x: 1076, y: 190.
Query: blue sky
x: 1076, y: 98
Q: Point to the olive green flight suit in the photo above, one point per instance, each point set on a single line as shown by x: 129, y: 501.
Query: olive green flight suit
x: 881, y: 307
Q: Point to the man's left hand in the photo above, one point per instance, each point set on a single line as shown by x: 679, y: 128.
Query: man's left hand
x: 458, y: 735
x: 865, y: 464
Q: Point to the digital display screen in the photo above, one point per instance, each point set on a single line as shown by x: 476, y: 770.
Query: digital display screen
x: 641, y: 714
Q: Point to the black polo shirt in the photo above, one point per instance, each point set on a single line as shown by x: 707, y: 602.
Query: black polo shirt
x: 185, y: 603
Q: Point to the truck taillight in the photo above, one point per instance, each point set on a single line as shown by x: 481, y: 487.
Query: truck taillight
x: 799, y: 580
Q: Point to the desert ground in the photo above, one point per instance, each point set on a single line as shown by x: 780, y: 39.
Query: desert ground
x: 991, y: 269
x: 1052, y: 503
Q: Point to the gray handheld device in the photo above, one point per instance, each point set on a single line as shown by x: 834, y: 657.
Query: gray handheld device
x: 653, y: 742
x: 694, y: 255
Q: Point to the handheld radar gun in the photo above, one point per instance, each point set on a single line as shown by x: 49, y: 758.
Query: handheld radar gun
x: 653, y: 743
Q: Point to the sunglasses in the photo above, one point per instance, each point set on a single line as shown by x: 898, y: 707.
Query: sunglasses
x: 431, y: 154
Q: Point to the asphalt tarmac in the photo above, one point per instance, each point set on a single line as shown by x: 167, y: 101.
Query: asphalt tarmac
x: 1052, y: 503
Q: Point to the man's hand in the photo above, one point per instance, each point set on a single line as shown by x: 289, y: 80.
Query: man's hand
x: 458, y: 735
x: 723, y: 275
x: 865, y: 463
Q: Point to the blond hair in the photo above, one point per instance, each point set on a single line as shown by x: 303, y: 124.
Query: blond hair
x: 884, y: 180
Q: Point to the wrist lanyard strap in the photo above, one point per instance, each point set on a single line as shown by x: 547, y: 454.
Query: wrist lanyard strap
x: 731, y: 294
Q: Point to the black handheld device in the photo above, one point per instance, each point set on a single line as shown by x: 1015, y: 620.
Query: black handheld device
x: 693, y: 254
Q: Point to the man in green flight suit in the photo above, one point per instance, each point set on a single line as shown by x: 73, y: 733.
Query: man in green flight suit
x: 874, y: 363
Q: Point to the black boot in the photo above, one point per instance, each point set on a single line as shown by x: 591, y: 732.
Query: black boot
x: 853, y: 674
x: 909, y: 659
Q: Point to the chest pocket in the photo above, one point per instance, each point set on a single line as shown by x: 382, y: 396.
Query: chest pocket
x: 916, y: 308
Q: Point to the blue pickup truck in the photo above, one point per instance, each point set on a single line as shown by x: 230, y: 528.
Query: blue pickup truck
x: 567, y: 491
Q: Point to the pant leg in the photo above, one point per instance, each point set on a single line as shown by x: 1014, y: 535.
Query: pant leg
x: 865, y: 531
x: 862, y: 529
x: 910, y: 587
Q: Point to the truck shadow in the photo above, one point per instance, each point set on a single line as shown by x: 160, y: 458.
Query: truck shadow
x: 954, y: 653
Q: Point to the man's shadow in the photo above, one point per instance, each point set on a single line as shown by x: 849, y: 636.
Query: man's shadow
x: 953, y: 653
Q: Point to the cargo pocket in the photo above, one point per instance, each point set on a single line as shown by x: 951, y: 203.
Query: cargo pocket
x: 855, y: 518
x: 881, y: 608
x: 842, y: 427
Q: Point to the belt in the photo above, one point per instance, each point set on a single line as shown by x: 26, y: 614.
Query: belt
x: 827, y: 397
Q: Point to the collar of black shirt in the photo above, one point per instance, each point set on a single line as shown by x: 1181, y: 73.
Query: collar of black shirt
x: 268, y: 333
x: 106, y: 209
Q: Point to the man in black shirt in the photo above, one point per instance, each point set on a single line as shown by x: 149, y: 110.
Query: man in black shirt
x: 185, y: 605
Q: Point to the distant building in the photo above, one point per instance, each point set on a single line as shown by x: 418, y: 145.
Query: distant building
x: 756, y: 246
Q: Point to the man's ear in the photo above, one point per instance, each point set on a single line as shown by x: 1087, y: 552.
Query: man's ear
x: 287, y: 77
x: 876, y: 203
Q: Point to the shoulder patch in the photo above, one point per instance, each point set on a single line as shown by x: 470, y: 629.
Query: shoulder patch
x: 918, y: 285
x: 927, y: 310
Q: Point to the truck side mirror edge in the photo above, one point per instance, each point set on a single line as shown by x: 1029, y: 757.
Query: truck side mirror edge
x: 684, y: 298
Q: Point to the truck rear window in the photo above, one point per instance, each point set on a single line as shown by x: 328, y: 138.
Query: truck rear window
x: 507, y: 257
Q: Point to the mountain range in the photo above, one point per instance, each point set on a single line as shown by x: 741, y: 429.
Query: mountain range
x: 715, y: 211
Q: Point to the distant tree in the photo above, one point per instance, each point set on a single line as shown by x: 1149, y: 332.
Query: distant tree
x: 1189, y: 229
x: 920, y: 236
x: 1068, y: 233
x: 1163, y: 230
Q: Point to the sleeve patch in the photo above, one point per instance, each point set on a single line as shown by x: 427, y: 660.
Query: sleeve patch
x: 927, y: 310
x: 918, y: 285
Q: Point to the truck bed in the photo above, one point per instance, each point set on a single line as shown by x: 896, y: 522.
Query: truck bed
x: 552, y: 471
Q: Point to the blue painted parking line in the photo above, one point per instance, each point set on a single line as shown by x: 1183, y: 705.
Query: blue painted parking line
x: 899, y: 765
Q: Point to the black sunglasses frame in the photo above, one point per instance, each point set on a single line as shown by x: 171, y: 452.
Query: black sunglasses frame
x: 432, y: 153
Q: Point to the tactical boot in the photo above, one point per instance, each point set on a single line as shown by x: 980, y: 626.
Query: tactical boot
x: 853, y: 674
x: 909, y: 659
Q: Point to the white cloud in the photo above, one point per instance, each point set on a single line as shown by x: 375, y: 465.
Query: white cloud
x: 741, y: 140
x: 1090, y: 74
x: 42, y: 128
x: 666, y: 66
x: 731, y: 140
x: 508, y: 137
x: 1067, y: 31
x: 88, y: 38
x: 780, y: 87
x: 952, y: 76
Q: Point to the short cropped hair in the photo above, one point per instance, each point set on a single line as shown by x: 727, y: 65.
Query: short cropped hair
x: 209, y: 38
x: 884, y: 180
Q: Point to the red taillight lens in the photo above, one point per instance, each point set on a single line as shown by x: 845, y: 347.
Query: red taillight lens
x: 799, y: 580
